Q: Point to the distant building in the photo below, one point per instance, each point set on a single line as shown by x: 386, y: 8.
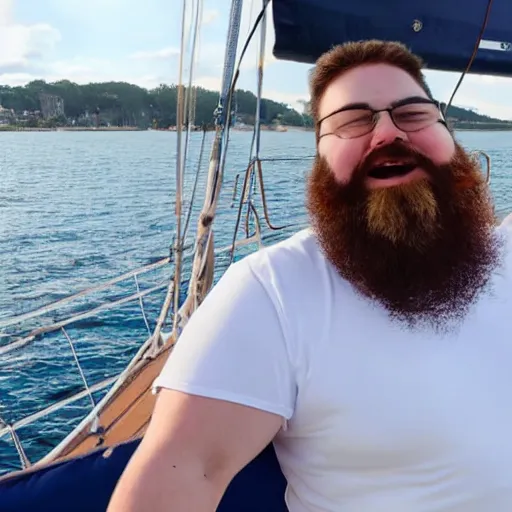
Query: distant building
x: 6, y: 115
x: 51, y: 105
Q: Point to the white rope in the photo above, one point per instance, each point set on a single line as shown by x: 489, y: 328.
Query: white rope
x: 27, y: 420
x: 25, y: 462
x: 194, y: 187
x: 56, y: 326
x: 142, y: 305
x: 178, y: 247
x: 107, y: 284
x: 84, y: 380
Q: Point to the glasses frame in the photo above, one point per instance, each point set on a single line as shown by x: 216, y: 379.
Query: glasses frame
x: 376, y: 115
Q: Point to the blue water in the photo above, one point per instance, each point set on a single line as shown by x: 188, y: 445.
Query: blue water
x: 78, y: 208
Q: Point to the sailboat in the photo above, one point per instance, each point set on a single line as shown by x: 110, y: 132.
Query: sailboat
x: 81, y: 472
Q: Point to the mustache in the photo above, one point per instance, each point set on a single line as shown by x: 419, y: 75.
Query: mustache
x: 396, y: 150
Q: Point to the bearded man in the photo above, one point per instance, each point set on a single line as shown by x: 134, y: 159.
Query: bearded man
x: 374, y: 349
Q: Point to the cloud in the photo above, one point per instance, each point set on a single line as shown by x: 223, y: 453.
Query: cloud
x: 23, y: 47
x: 482, y: 106
x: 162, y: 54
x: 211, y: 53
x: 30, y: 51
x: 14, y: 66
x: 209, y: 82
x: 15, y: 79
x: 23, y: 44
x: 488, y: 95
x: 293, y: 99
x: 209, y: 16
x: 85, y: 70
x: 5, y: 12
x: 250, y: 12
x: 111, y: 47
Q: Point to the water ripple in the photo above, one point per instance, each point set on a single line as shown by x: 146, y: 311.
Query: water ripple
x: 78, y: 208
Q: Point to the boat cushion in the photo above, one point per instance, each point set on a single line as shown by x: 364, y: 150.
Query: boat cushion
x: 443, y: 32
x: 86, y: 484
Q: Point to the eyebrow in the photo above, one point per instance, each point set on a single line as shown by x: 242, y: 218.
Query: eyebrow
x: 396, y: 103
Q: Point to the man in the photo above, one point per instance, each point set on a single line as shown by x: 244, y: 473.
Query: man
x: 375, y: 350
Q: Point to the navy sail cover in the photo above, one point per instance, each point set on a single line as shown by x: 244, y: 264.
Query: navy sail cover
x: 442, y: 32
x: 86, y: 483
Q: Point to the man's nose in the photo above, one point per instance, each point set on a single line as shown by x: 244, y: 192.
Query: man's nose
x: 385, y: 131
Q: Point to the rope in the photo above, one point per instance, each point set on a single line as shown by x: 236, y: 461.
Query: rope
x: 194, y: 188
x: 142, y: 305
x: 256, y: 139
x: 84, y: 380
x: 285, y: 159
x: 7, y: 428
x: 230, y: 58
x: 53, y: 327
x: 107, y: 284
x: 235, y: 10
x: 248, y: 173
x: 27, y: 420
x: 179, y: 170
x: 191, y: 93
x: 261, y: 63
x: 163, y: 314
x: 25, y: 463
x: 180, y: 159
x: 473, y: 55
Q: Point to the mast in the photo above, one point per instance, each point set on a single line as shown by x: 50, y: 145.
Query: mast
x: 203, y: 262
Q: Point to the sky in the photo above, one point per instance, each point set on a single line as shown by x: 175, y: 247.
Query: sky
x: 139, y: 42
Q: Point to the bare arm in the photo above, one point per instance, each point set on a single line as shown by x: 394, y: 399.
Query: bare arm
x: 193, y: 448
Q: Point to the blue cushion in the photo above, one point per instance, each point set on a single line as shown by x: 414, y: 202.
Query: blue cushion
x: 86, y: 484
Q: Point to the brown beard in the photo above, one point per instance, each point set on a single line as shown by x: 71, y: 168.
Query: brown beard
x: 424, y: 250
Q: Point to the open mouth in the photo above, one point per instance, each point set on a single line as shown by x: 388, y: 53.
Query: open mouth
x: 384, y: 172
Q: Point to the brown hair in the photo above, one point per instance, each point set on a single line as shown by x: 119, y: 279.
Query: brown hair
x: 344, y: 57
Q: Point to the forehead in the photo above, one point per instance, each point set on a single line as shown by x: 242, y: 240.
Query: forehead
x: 376, y: 84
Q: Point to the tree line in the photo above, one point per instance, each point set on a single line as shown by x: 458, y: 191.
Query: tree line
x: 124, y: 104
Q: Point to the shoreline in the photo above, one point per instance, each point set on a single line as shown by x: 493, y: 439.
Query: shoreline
x: 9, y: 128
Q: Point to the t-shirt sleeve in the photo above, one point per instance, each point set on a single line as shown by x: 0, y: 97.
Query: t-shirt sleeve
x: 234, y: 348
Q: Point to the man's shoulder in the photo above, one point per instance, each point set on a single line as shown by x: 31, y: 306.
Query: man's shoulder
x: 505, y: 228
x: 300, y: 249
x: 506, y: 223
x: 291, y: 266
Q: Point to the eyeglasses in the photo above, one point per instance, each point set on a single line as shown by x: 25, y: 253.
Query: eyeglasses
x: 408, y: 116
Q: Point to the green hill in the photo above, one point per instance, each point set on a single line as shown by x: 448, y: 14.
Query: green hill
x: 62, y: 103
x: 461, y: 118
x: 123, y: 104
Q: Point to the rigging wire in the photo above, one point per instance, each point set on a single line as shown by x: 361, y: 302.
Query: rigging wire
x: 194, y: 187
x: 191, y: 92
x: 225, y: 115
x: 179, y: 162
x: 256, y: 24
x: 473, y: 55
x: 456, y: 88
x: 231, y: 91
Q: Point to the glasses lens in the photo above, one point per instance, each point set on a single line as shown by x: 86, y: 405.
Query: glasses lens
x: 352, y: 123
x: 415, y: 116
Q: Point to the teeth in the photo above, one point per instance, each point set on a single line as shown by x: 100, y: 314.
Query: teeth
x: 387, y: 164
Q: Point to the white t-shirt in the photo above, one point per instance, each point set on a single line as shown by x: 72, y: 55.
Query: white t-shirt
x: 379, y: 418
